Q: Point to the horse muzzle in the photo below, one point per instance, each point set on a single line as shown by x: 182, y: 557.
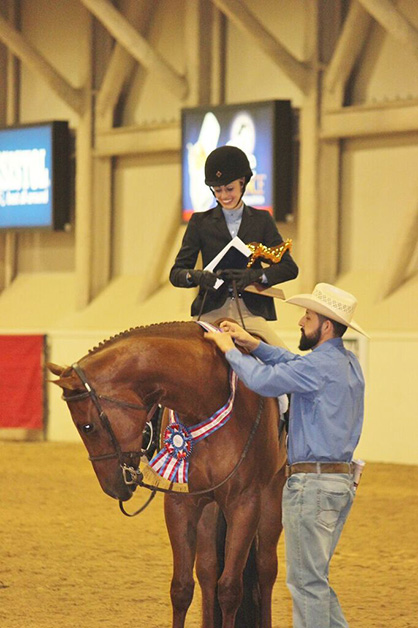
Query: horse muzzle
x: 122, y: 492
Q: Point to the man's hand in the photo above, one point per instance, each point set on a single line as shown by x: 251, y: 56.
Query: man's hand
x: 241, y: 337
x: 232, y: 332
x: 223, y: 341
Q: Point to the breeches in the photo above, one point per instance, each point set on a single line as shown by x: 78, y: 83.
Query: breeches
x: 253, y: 324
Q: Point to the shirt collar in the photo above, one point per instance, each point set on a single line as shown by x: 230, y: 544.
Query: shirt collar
x: 233, y: 215
x: 335, y: 342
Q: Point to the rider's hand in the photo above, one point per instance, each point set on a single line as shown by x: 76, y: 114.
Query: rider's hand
x: 203, y: 278
x: 241, y: 337
x: 243, y: 276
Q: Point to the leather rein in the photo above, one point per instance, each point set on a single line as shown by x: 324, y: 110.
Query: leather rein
x: 132, y: 476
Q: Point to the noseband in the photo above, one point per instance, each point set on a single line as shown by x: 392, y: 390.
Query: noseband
x: 129, y: 473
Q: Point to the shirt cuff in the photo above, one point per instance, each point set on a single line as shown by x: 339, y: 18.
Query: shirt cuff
x: 232, y: 353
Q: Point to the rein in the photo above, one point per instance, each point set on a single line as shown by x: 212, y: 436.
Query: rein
x: 133, y: 476
x: 236, y: 298
x: 137, y: 475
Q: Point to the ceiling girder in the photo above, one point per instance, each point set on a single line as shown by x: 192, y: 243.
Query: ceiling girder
x: 393, y: 21
x: 300, y: 73
x: 128, y: 37
x: 22, y: 49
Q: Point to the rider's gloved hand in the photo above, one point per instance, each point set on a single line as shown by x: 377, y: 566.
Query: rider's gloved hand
x: 243, y: 277
x: 203, y: 278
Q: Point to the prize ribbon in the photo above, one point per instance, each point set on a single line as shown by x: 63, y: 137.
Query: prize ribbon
x: 172, y: 461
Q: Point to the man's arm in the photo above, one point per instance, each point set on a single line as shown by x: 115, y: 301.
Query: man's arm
x: 285, y: 373
x: 231, y: 335
x: 272, y: 380
x: 234, y: 335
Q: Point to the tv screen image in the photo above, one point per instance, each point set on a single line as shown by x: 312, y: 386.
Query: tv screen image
x: 35, y: 176
x: 262, y: 130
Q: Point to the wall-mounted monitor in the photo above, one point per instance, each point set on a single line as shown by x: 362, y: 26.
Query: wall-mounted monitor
x: 35, y: 180
x: 263, y: 130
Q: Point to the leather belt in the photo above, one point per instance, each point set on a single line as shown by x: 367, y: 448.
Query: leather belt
x: 319, y: 467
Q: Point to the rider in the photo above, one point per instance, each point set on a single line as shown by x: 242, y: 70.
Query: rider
x: 227, y: 173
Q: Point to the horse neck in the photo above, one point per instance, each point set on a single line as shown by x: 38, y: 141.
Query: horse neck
x: 186, y: 375
x: 190, y: 378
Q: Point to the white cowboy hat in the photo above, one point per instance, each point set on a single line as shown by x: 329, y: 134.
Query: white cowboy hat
x: 331, y: 302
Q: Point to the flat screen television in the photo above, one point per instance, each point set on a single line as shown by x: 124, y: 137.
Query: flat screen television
x: 263, y: 130
x: 35, y: 176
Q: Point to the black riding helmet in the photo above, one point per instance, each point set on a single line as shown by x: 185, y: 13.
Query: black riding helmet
x: 226, y: 164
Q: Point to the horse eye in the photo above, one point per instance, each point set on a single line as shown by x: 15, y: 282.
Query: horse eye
x: 88, y: 428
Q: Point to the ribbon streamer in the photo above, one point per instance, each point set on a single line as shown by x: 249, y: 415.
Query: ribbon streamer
x: 172, y: 461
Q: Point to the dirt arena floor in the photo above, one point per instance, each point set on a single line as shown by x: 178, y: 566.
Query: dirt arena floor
x: 70, y: 559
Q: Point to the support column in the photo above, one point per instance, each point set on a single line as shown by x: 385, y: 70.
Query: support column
x: 308, y: 174
x: 218, y: 57
x: 120, y: 66
x: 341, y: 45
x: 83, y: 191
x: 9, y: 239
x: 329, y: 153
x: 101, y: 207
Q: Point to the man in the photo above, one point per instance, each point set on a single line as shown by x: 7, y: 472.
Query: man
x: 326, y: 416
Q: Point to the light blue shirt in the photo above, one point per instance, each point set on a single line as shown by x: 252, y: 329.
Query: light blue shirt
x: 233, y: 219
x: 327, y: 403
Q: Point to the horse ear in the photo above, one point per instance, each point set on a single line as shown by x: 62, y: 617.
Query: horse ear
x: 55, y: 368
x: 63, y: 372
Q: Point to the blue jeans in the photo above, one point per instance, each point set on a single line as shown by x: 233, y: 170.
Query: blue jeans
x: 315, y: 508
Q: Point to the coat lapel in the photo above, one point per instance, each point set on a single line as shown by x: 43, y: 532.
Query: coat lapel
x: 220, y: 221
x: 247, y: 222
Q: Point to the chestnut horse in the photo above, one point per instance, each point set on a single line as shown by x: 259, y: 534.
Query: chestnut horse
x: 238, y: 469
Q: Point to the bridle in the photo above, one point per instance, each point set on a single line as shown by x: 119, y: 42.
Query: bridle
x: 91, y: 394
x: 132, y: 476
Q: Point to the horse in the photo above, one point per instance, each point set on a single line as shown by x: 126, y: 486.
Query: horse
x: 238, y: 471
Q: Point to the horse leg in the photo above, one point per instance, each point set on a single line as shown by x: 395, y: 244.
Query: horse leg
x: 181, y: 516
x: 269, y: 530
x: 242, y: 516
x: 207, y: 565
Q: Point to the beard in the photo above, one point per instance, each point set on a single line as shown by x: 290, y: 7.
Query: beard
x: 309, y: 342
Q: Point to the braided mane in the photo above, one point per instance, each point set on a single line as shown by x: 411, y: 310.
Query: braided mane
x: 153, y: 329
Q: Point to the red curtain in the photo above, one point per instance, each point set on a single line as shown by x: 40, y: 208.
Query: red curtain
x: 22, y: 381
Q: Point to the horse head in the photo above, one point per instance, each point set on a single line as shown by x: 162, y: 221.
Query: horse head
x: 109, y: 428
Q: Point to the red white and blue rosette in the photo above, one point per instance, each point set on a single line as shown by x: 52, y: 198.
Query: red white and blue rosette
x: 178, y: 441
